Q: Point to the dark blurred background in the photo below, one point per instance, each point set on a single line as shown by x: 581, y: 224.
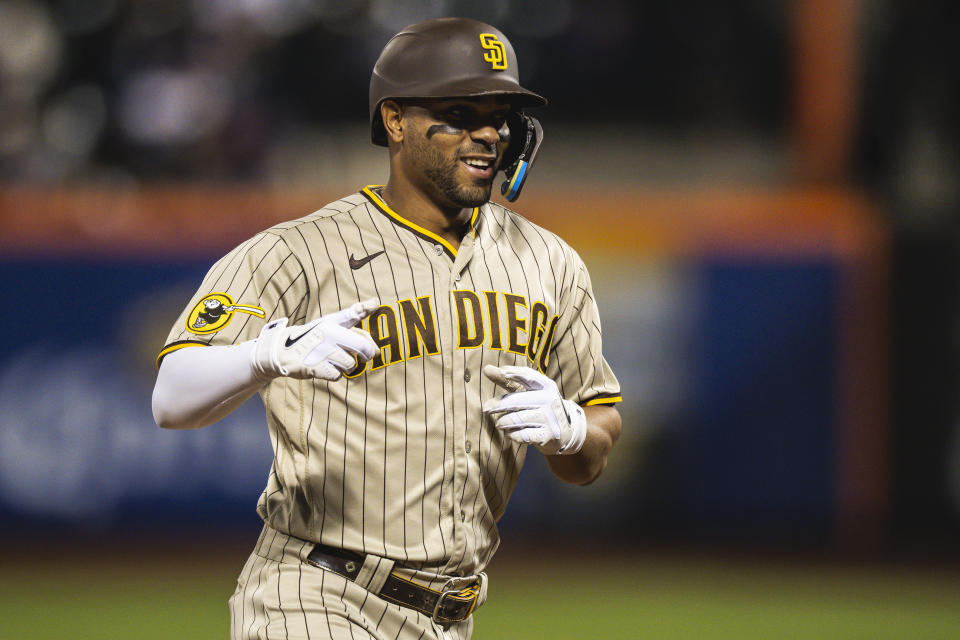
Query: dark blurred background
x: 769, y: 196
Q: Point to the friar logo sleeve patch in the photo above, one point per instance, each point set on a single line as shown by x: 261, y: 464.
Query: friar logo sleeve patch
x: 214, y: 312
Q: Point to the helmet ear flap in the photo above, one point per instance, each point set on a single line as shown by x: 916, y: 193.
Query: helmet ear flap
x: 526, y: 134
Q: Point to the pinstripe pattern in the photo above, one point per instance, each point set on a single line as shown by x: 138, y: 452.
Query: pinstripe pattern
x: 278, y: 595
x: 396, y: 460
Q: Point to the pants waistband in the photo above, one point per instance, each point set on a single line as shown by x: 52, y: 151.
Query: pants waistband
x: 433, y: 594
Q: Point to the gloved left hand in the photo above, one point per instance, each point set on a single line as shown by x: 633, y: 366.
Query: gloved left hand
x: 533, y: 412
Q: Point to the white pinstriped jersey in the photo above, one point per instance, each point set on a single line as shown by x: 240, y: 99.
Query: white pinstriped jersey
x: 396, y: 459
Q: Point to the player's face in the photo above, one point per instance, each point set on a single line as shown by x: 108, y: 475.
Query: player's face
x: 456, y: 146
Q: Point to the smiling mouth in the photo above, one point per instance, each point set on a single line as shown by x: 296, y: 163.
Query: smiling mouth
x: 479, y: 167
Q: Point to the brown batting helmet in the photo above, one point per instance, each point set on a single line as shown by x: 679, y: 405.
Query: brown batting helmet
x: 445, y: 58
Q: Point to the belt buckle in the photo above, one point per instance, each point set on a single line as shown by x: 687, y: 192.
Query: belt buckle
x: 456, y: 588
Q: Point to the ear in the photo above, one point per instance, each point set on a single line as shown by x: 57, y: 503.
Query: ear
x: 392, y: 114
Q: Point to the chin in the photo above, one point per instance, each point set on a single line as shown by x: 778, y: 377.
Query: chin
x: 470, y: 196
x: 461, y: 191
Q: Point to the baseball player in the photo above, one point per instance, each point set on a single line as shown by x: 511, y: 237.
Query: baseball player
x: 410, y: 343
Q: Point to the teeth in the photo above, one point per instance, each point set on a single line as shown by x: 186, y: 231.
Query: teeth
x: 482, y: 164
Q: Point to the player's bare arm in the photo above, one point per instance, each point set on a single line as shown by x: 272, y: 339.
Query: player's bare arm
x: 187, y: 396
x: 603, y: 430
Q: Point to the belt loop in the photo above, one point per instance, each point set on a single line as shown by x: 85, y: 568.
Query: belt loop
x: 482, y: 595
x: 374, y: 573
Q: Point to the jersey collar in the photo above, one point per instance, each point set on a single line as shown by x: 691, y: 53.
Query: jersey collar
x: 372, y: 194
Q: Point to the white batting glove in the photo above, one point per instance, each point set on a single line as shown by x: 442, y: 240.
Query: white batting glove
x: 323, y: 348
x: 533, y: 412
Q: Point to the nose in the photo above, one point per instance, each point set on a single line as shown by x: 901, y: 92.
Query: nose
x: 486, y: 134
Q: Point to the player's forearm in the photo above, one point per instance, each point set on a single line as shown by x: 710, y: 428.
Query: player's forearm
x: 603, y: 429
x: 197, y: 386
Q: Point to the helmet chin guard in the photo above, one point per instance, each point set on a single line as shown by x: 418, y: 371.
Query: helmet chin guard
x: 521, y: 153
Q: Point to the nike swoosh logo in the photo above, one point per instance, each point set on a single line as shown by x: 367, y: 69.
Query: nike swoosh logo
x: 290, y: 342
x: 356, y: 264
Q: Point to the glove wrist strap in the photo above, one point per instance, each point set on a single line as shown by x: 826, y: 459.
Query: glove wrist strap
x: 578, y: 421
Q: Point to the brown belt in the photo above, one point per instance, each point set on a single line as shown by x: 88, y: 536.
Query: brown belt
x: 451, y: 605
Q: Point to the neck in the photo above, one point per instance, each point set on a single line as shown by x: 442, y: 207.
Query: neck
x: 450, y: 223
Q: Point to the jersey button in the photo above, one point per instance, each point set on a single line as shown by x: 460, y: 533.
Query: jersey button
x: 438, y: 249
x: 457, y: 279
x: 467, y: 446
x: 466, y: 376
x: 463, y: 517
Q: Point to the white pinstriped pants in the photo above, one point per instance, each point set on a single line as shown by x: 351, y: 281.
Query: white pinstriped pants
x: 278, y: 595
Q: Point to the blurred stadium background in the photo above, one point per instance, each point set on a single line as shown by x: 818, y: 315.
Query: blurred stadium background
x: 766, y: 192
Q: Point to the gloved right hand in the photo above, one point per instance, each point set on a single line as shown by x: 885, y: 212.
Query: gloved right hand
x: 323, y: 348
